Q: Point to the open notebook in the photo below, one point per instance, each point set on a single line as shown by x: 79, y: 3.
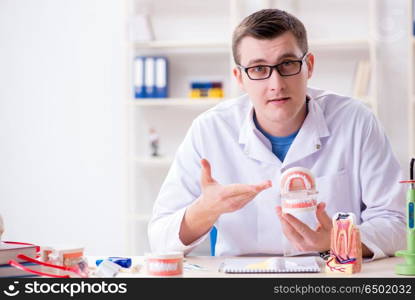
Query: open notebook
x: 270, y: 265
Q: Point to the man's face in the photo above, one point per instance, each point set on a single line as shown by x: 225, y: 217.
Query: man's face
x: 277, y: 99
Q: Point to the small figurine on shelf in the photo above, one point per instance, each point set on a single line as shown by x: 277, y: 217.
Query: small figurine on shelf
x: 154, y: 142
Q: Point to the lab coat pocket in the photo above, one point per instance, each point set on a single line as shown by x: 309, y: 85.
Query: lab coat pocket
x: 334, y: 190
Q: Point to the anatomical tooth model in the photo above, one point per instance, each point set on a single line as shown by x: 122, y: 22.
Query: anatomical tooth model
x: 298, y: 190
x: 346, y: 248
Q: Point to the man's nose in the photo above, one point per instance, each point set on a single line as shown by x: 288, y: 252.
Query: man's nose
x: 276, y: 82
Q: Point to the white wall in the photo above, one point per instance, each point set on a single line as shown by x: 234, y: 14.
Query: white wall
x: 62, y: 121
x: 392, y: 74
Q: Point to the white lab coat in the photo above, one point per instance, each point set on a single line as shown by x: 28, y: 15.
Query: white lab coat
x: 340, y: 141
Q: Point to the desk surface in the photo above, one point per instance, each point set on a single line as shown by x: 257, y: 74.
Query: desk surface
x: 210, y: 268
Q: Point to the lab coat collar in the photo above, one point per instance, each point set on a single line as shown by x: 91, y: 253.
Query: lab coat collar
x: 255, y: 144
x: 308, y: 140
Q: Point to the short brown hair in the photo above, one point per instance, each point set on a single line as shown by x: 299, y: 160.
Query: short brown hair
x: 269, y: 24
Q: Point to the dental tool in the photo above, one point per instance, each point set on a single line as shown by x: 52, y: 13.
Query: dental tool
x: 408, y: 267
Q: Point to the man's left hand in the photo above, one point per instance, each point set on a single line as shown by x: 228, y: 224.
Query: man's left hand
x: 302, y: 236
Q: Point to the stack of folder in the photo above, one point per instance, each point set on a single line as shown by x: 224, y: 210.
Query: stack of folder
x: 150, y: 77
x: 206, y: 89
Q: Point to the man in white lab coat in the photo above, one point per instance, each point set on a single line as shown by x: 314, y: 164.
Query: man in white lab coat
x: 227, y: 170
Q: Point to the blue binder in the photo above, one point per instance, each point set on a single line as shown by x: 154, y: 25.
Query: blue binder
x: 150, y: 77
x: 138, y: 74
x: 161, y: 77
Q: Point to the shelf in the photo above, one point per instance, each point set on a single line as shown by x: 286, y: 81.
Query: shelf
x: 182, y: 44
x: 319, y: 44
x: 176, y: 102
x: 155, y: 161
x: 330, y: 44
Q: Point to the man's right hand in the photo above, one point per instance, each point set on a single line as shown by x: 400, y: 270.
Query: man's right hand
x: 215, y: 200
x: 219, y: 199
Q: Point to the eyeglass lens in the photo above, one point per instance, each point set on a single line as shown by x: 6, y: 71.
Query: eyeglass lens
x: 284, y: 69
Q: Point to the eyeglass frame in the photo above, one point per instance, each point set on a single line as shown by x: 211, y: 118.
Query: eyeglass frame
x: 274, y: 67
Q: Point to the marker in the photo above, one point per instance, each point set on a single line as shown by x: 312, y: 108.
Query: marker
x: 121, y: 261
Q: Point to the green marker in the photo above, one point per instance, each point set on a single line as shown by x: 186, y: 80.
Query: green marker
x: 408, y: 268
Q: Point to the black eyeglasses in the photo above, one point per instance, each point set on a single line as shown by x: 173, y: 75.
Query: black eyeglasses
x: 286, y: 68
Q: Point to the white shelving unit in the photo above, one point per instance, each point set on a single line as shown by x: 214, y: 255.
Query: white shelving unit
x: 183, y: 44
x: 196, y: 41
x: 329, y: 44
x: 182, y: 102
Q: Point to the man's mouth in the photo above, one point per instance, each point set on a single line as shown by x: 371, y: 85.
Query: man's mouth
x: 281, y: 99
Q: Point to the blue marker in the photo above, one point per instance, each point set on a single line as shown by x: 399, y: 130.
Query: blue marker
x: 123, y: 262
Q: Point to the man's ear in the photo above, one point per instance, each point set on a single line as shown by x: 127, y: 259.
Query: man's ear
x: 310, y: 65
x: 238, y: 77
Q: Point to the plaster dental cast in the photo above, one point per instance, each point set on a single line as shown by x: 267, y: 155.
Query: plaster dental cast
x: 228, y: 169
x: 299, y: 199
x: 298, y: 191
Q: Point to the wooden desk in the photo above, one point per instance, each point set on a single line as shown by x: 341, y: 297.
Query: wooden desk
x: 210, y: 266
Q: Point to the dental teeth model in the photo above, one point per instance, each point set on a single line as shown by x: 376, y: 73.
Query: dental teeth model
x: 298, y: 198
x: 346, y: 248
x: 298, y: 190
